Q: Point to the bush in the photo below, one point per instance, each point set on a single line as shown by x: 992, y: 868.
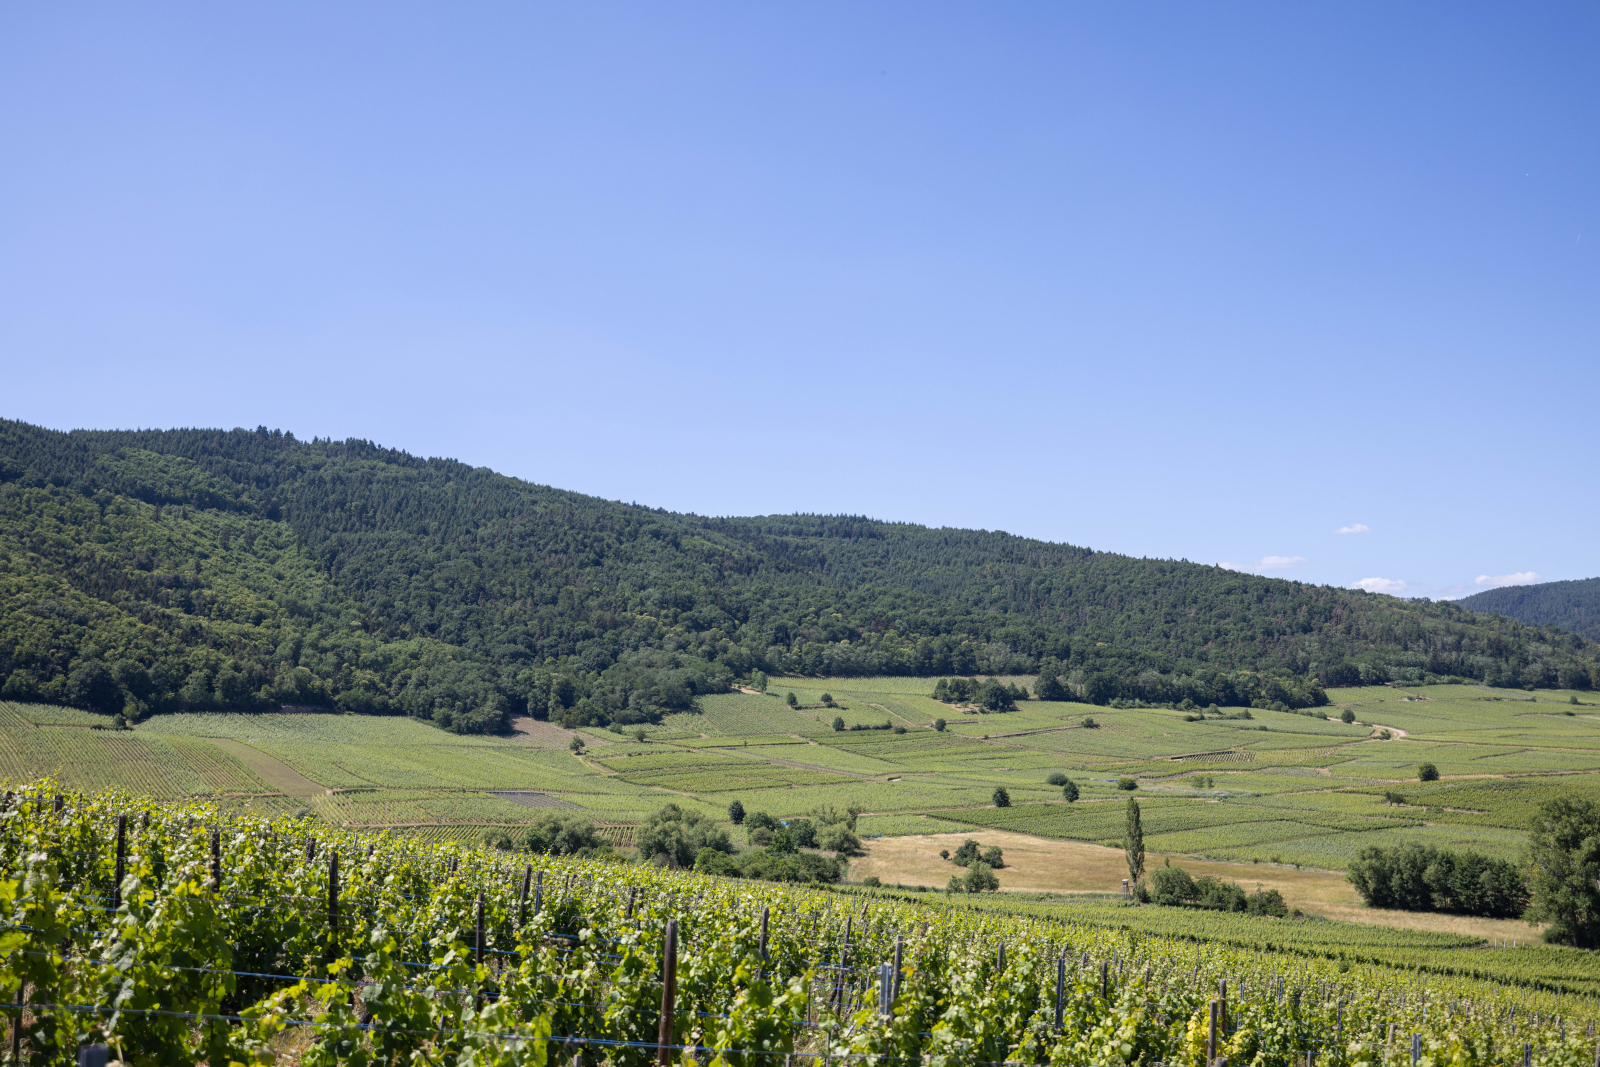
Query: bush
x: 710, y: 861
x: 736, y: 812
x: 1057, y: 778
x: 800, y: 867
x: 792, y: 700
x: 966, y: 854
x: 560, y: 834
x: 838, y: 723
x: 1172, y: 886
x: 1089, y: 723
x: 803, y: 832
x: 994, y: 857
x: 676, y: 837
x: 1427, y: 772
x: 499, y: 839
x: 1347, y: 716
x: 1127, y: 783
x: 1069, y: 792
x: 827, y: 700
x: 1002, y: 799
x: 838, y: 838
x: 939, y: 724
x: 871, y: 881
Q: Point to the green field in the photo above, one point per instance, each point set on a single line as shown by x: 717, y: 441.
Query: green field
x: 1276, y: 786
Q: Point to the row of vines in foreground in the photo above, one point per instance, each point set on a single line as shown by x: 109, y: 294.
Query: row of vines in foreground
x: 234, y: 939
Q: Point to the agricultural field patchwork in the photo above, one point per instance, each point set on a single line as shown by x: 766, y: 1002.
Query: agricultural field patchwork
x: 1239, y: 785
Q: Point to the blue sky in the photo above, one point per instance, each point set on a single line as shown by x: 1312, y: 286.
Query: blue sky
x: 1198, y: 281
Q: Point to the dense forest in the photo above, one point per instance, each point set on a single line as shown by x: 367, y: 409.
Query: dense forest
x: 1572, y: 605
x: 146, y: 571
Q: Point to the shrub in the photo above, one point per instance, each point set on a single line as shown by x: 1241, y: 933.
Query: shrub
x: 827, y: 700
x: 838, y: 723
x: 499, y: 839
x: 735, y: 813
x: 1002, y: 799
x: 792, y: 700
x: 711, y: 861
x: 939, y: 724
x: 966, y: 854
x: 804, y: 832
x: 1127, y: 783
x: 1172, y: 886
x: 980, y: 879
x: 837, y: 837
x: 1347, y: 716
x: 994, y: 857
x: 1089, y: 723
x: 1057, y: 778
x: 1070, y: 791
x: 1427, y: 772
x: 560, y: 834
x: 676, y: 836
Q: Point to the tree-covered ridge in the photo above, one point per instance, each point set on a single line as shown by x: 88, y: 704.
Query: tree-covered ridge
x: 1573, y: 605
x: 207, y: 568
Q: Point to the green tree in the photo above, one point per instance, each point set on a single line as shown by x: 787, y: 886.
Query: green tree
x: 735, y: 812
x: 1056, y: 778
x: 1130, y: 784
x: 1070, y: 791
x: 838, y: 723
x: 980, y: 879
x: 1427, y: 772
x: 1133, y: 843
x: 1002, y: 799
x: 92, y: 688
x: 1563, y: 856
x: 576, y: 744
x: 1049, y: 686
x: 939, y: 725
x: 792, y: 700
x: 1347, y: 716
x: 758, y: 681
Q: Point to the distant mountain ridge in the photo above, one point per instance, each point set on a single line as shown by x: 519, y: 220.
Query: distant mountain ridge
x: 194, y: 569
x: 1572, y: 605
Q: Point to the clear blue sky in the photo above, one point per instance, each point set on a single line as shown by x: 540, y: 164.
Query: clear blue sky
x: 1206, y: 281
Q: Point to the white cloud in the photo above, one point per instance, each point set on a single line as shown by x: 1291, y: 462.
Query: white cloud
x: 1267, y: 563
x: 1392, y: 586
x: 1501, y: 580
x: 1355, y: 527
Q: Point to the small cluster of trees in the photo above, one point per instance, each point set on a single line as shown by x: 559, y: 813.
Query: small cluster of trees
x: 980, y: 862
x: 991, y: 694
x: 1415, y: 877
x: 1173, y: 886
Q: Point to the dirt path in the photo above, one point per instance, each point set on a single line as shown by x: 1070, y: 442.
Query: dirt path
x: 1037, y: 864
x: 270, y: 769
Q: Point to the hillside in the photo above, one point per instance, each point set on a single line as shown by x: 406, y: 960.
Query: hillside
x: 200, y: 569
x: 1571, y: 605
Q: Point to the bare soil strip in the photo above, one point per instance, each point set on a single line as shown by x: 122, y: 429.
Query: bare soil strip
x: 270, y: 769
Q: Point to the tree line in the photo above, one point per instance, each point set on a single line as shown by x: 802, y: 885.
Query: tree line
x: 163, y: 571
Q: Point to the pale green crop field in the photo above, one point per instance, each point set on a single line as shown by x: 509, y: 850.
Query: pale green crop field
x: 1304, y: 789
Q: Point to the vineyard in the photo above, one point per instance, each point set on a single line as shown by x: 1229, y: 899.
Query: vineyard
x: 181, y: 933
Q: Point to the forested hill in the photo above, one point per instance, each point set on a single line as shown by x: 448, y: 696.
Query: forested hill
x: 1571, y: 605
x: 194, y: 569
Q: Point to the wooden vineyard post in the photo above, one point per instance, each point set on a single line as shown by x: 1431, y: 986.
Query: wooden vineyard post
x: 1000, y: 960
x: 311, y: 850
x: 122, y: 861
x: 899, y: 956
x: 633, y: 891
x: 1416, y: 1050
x: 1222, y: 1005
x: 522, y: 898
x: 885, y: 984
x: 1211, y: 1036
x: 1338, y: 1026
x: 1105, y: 982
x: 333, y: 906
x: 16, y: 1023
x: 1527, y: 1052
x: 477, y: 948
x: 765, y: 915
x: 1061, y: 988
x: 669, y: 994
x: 216, y: 861
x: 538, y: 893
x: 60, y: 800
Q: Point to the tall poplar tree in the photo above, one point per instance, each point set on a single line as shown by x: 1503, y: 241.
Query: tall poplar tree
x: 1133, y: 843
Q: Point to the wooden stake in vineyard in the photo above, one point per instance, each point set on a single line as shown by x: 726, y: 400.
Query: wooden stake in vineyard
x: 333, y: 906
x: 669, y: 994
x: 122, y: 861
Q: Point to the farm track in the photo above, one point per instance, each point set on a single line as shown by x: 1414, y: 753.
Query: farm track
x: 271, y: 770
